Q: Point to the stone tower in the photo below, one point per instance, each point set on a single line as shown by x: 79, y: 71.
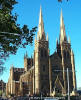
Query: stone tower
x: 41, y: 59
x: 28, y: 62
x: 67, y: 58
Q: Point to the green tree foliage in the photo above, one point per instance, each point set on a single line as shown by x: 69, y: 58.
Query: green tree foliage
x: 12, y: 36
x: 61, y: 0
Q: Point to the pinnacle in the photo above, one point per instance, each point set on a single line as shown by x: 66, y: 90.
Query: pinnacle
x: 47, y: 37
x: 69, y: 41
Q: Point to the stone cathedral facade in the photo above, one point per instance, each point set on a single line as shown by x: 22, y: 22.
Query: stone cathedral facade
x: 45, y: 73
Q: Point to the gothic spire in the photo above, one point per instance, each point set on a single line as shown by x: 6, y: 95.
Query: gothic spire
x: 69, y: 41
x: 72, y: 52
x: 56, y: 42
x: 35, y: 38
x: 26, y: 54
x: 62, y: 29
x: 47, y: 37
x: 41, y: 33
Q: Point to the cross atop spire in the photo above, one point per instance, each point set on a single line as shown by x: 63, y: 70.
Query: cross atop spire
x: 41, y: 33
x: 62, y: 29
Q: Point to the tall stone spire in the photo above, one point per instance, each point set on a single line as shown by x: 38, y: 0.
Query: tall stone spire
x: 41, y: 33
x: 62, y: 29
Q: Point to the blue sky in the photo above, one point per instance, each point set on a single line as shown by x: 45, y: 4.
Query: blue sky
x: 28, y: 11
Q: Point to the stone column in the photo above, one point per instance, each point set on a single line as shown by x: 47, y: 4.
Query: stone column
x: 73, y: 70
x: 63, y: 69
x: 50, y: 76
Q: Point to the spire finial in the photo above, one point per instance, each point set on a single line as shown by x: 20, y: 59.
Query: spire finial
x: 41, y: 33
x: 26, y: 54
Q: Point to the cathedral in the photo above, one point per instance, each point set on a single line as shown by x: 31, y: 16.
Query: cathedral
x: 45, y: 73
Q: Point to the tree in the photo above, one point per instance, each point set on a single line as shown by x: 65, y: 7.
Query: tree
x: 12, y: 36
x: 61, y: 0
